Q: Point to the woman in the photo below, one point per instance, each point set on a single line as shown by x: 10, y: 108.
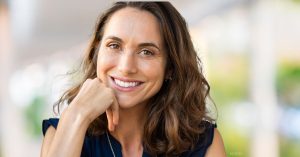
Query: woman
x: 142, y: 91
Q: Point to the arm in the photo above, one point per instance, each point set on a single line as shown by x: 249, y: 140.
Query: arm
x: 47, y: 140
x: 217, y: 146
x: 93, y: 99
x: 68, y: 139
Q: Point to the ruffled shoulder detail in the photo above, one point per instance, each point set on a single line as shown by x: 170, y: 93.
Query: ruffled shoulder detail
x: 49, y: 122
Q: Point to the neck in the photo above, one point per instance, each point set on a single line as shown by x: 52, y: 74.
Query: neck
x: 129, y: 131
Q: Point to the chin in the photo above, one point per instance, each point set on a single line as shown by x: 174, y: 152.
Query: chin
x: 125, y: 104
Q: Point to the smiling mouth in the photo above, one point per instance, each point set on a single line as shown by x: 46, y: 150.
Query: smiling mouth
x: 126, y: 84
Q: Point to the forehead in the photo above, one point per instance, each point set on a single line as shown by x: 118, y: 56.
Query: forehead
x: 134, y: 24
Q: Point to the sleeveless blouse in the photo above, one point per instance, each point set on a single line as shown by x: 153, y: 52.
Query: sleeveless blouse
x: 98, y: 146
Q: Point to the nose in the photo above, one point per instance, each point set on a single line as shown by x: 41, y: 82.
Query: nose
x: 127, y: 64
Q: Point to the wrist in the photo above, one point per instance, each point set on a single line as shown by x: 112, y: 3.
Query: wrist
x: 75, y: 116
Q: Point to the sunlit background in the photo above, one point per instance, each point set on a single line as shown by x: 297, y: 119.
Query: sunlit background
x: 250, y: 50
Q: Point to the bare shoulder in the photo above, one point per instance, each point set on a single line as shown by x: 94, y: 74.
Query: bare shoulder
x: 217, y: 146
x: 47, y: 140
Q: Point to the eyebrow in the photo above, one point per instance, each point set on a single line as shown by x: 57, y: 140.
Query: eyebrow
x: 140, y: 45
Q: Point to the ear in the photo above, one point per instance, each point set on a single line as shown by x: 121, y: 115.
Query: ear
x: 168, y: 75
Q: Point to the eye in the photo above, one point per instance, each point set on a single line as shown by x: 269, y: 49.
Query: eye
x: 145, y: 52
x: 113, y: 46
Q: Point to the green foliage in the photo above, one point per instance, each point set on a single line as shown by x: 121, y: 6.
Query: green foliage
x: 236, y: 144
x: 33, y: 115
x: 289, y: 147
x: 288, y: 82
x: 228, y: 78
x: 296, y: 1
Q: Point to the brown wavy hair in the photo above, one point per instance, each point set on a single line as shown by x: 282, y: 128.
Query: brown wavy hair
x: 174, y: 121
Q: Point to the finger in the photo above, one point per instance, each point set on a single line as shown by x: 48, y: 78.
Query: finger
x: 99, y: 79
x: 87, y: 80
x: 85, y: 84
x: 109, y: 119
x: 115, y: 111
x: 109, y: 116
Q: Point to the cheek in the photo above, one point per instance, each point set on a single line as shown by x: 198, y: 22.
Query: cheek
x: 154, y: 70
x: 104, y: 63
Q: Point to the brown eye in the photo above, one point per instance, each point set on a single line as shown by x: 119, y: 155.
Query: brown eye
x: 145, y: 52
x: 114, y: 46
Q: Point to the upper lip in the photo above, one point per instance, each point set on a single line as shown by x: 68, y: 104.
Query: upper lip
x: 126, y: 79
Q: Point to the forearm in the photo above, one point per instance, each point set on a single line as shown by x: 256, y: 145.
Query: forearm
x: 69, y: 136
x: 93, y: 99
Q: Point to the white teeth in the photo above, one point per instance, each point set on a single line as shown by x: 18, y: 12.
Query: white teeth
x: 126, y: 84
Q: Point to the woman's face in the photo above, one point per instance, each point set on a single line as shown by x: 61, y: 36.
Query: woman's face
x: 131, y: 58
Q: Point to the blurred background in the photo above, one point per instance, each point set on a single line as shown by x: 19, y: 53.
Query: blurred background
x: 250, y: 50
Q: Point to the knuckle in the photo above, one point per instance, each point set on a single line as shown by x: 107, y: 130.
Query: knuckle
x: 111, y: 100
x: 95, y: 80
x: 87, y: 81
x: 110, y: 91
x: 106, y: 90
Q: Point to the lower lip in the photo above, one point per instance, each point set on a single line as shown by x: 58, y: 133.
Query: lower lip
x: 124, y: 89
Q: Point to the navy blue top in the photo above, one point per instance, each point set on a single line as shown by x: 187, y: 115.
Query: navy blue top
x: 98, y: 146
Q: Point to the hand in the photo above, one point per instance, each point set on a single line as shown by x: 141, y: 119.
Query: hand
x: 93, y: 99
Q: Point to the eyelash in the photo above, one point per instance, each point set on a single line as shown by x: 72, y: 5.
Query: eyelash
x: 113, y: 46
x: 147, y: 51
x: 144, y: 52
